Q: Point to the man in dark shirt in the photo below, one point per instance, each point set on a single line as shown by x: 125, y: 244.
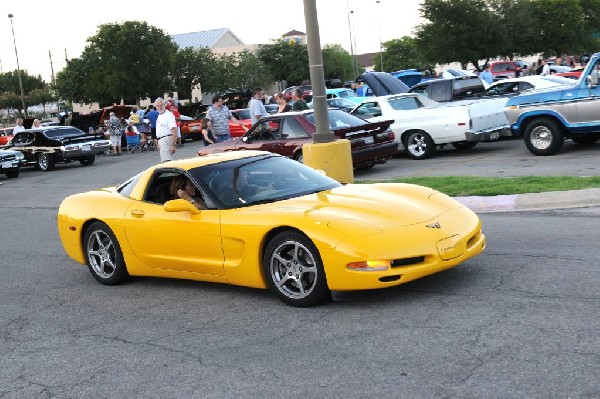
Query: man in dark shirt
x: 299, y: 103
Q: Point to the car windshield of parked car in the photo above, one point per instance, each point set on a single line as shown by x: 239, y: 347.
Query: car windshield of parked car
x: 339, y: 119
x: 346, y: 93
x: 260, y: 179
x: 242, y: 113
x: 340, y: 103
x: 63, y: 132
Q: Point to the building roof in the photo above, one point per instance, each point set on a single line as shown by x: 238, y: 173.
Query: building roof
x: 366, y: 59
x: 294, y: 32
x: 207, y: 38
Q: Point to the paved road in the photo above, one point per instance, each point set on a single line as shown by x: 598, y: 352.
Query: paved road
x: 519, y: 321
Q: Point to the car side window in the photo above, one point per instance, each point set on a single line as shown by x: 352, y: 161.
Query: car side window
x: 368, y: 110
x: 293, y: 130
x: 402, y: 104
x: 22, y: 139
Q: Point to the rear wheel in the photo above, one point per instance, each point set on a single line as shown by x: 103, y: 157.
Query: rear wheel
x: 419, y: 145
x: 294, y: 270
x: 44, y: 162
x: 103, y: 254
x: 544, y: 136
x: 12, y: 174
x: 87, y: 160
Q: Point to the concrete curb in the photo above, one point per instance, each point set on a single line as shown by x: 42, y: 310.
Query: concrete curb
x: 535, y: 201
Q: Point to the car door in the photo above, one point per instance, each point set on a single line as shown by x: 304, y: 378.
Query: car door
x: 173, y: 240
x: 587, y: 99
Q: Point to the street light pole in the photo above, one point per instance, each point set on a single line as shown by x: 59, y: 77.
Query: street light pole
x: 354, y: 69
x: 10, y: 16
x: 380, y: 42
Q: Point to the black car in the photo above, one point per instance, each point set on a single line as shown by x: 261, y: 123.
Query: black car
x: 10, y: 162
x: 47, y: 146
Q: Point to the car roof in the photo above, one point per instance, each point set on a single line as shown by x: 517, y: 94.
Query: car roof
x: 533, y: 79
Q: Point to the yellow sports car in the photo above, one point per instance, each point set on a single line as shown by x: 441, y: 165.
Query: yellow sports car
x: 262, y: 220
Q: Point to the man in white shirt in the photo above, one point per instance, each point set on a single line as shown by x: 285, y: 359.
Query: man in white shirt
x: 257, y: 108
x: 166, y: 131
x: 545, y: 69
x: 19, y: 127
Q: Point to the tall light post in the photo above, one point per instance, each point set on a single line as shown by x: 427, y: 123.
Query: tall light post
x: 354, y: 68
x: 10, y: 16
x: 380, y: 42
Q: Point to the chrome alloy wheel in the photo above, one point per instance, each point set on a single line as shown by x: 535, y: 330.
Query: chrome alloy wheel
x: 102, y: 254
x: 293, y: 269
x: 417, y: 145
x: 541, y: 137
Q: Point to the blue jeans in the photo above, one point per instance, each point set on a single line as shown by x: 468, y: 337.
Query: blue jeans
x: 222, y: 137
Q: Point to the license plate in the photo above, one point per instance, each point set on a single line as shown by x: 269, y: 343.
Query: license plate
x: 195, y: 128
x: 6, y: 165
x: 86, y: 147
x: 494, y: 136
x: 369, y: 140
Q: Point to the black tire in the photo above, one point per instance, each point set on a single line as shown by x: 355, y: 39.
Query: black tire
x: 419, y: 145
x: 89, y: 160
x: 585, y: 140
x: 464, y: 145
x: 294, y: 270
x: 44, y: 162
x: 103, y: 255
x: 299, y: 157
x: 544, y: 136
x: 12, y: 174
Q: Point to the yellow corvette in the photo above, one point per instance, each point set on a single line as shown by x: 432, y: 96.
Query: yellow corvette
x: 266, y: 221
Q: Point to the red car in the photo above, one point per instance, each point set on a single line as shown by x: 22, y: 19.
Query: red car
x: 573, y: 74
x: 242, y: 115
x: 6, y: 135
x: 191, y: 128
x: 307, y: 93
x: 507, y: 69
x: 286, y: 133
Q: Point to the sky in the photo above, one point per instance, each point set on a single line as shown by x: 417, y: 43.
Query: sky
x: 61, y: 28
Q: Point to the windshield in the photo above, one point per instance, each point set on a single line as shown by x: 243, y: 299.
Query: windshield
x: 63, y: 132
x: 260, y: 179
x: 339, y: 119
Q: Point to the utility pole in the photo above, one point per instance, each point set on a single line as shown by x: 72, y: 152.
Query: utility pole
x: 51, y: 66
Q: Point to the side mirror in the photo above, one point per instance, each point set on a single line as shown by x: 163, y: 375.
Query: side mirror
x: 181, y: 205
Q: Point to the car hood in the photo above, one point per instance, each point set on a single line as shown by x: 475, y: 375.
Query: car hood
x: 375, y: 207
x: 220, y: 147
x: 383, y: 83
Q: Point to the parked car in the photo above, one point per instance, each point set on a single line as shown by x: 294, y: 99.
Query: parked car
x: 546, y: 118
x: 525, y: 83
x: 191, y: 127
x: 47, y: 146
x: 507, y: 69
x: 242, y: 115
x: 6, y: 135
x: 450, y: 89
x: 10, y: 162
x: 286, y: 133
x: 420, y: 124
x: 270, y: 223
x: 339, y: 103
x: 572, y: 74
x: 347, y: 94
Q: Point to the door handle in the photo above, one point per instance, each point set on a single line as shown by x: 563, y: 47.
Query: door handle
x: 137, y: 213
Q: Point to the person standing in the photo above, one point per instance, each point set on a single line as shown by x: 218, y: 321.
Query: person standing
x: 257, y: 108
x: 545, y: 68
x: 299, y: 103
x: 19, y: 126
x: 219, y: 116
x: 69, y: 119
x: 282, y: 103
x: 114, y: 131
x: 166, y: 131
x: 486, y: 75
x: 152, y: 116
x: 171, y: 106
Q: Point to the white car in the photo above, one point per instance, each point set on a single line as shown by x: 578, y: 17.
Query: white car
x: 524, y: 83
x: 421, y: 124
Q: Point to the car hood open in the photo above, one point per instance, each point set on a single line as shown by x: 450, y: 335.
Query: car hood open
x: 383, y: 83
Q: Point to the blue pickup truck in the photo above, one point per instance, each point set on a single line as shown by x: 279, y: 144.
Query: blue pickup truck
x: 546, y: 118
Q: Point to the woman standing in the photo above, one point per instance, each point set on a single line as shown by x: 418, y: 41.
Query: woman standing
x: 283, y: 105
x: 114, y: 130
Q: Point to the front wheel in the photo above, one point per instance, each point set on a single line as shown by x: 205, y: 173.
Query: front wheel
x: 87, y: 160
x: 544, y: 136
x: 44, y: 162
x: 103, y: 254
x: 294, y: 270
x: 419, y: 145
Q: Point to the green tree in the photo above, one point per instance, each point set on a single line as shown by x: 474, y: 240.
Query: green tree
x: 400, y: 54
x: 129, y: 61
x: 337, y: 62
x: 10, y: 100
x: 562, y: 29
x: 286, y: 61
x: 458, y: 31
x: 237, y: 72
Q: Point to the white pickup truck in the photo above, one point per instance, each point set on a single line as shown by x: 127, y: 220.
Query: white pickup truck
x: 421, y: 124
